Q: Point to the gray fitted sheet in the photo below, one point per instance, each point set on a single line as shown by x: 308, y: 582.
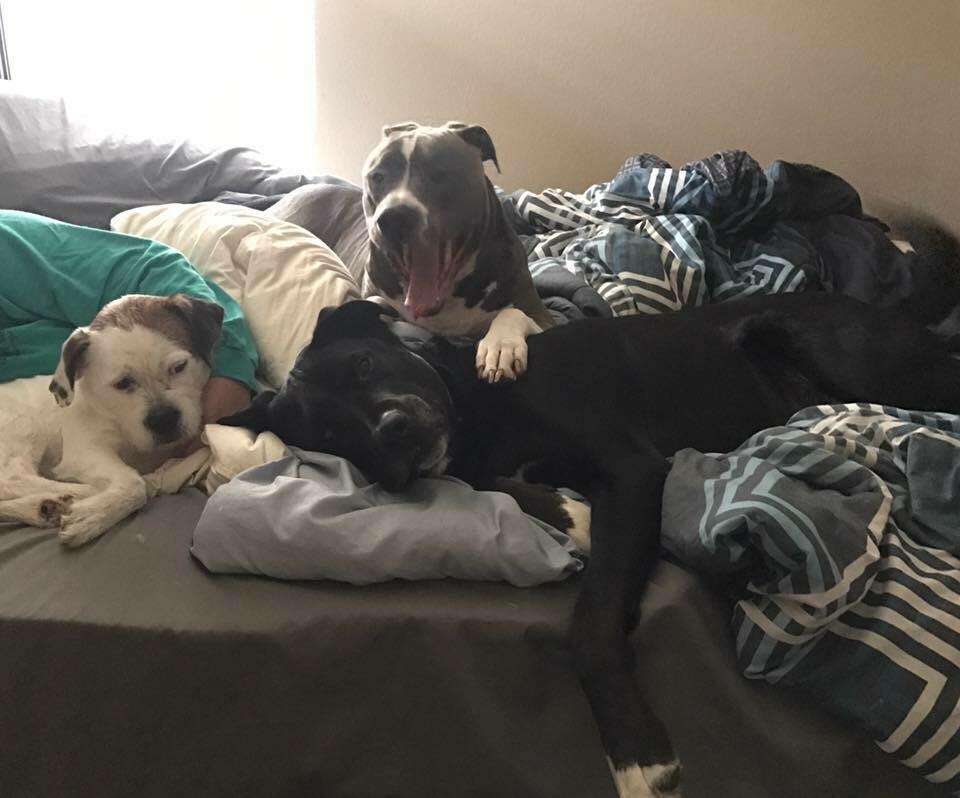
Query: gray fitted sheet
x: 126, y: 669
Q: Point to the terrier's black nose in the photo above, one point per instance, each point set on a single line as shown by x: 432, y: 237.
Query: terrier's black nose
x: 163, y: 420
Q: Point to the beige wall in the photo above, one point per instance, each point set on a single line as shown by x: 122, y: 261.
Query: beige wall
x: 868, y: 89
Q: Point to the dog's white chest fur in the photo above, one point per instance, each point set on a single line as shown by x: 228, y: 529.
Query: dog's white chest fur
x: 454, y: 318
x: 30, y: 419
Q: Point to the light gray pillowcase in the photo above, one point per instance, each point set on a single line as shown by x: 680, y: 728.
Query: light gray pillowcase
x: 314, y: 516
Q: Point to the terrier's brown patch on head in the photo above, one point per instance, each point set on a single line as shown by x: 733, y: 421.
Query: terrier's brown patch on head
x: 191, y: 324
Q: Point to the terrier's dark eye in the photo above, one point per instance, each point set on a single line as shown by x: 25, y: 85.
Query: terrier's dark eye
x: 376, y: 179
x: 125, y: 384
x: 177, y: 368
x: 363, y: 366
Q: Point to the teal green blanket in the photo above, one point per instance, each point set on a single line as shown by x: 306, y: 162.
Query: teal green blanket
x: 55, y: 277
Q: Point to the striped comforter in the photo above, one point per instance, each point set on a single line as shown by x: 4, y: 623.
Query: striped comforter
x: 845, y: 527
x: 656, y: 238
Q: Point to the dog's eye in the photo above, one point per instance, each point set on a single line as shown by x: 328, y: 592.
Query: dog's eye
x: 363, y: 366
x: 177, y: 368
x: 125, y: 384
x: 376, y: 179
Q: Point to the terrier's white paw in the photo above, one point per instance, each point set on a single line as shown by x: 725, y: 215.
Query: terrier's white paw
x: 77, y: 530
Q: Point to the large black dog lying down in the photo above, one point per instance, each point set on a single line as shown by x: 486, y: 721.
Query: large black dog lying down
x: 605, y: 404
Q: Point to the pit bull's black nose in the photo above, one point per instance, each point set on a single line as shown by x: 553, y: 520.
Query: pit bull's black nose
x: 398, y: 222
x: 163, y: 420
x: 395, y: 428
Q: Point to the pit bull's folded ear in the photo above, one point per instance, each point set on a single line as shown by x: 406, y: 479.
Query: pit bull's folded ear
x: 478, y: 137
x: 73, y: 359
x: 400, y: 127
x: 204, y: 321
x: 256, y: 417
x: 350, y: 320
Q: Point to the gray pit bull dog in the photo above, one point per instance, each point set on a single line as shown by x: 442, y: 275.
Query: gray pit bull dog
x: 439, y: 249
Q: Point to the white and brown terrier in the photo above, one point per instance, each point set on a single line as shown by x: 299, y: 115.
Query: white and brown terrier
x: 128, y: 392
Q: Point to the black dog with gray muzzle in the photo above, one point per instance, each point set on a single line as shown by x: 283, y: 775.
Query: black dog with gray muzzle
x: 609, y: 401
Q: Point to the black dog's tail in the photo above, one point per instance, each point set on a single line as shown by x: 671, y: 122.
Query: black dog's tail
x: 936, y: 273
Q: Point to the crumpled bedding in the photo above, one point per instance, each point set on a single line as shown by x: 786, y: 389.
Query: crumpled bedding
x: 657, y: 238
x: 843, y: 529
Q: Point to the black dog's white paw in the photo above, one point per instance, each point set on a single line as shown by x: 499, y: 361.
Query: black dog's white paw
x: 649, y: 781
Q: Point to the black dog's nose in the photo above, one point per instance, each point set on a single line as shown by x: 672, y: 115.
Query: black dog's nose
x: 395, y: 428
x: 163, y: 420
x: 398, y: 222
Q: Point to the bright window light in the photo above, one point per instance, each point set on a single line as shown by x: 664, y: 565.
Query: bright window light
x: 222, y: 72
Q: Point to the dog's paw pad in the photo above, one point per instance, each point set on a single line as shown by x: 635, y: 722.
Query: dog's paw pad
x: 51, y: 511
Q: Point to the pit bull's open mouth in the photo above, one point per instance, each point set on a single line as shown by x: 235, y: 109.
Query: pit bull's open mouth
x: 428, y: 269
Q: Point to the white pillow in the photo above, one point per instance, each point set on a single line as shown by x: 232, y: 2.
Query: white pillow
x: 279, y: 273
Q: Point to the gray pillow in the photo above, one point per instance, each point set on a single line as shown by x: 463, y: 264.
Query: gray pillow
x: 314, y: 516
x: 54, y: 164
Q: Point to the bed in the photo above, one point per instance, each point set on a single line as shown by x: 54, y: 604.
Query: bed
x: 128, y: 669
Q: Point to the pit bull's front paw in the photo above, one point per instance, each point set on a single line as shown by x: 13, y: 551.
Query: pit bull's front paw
x: 499, y: 358
x: 502, y: 352
x: 77, y: 530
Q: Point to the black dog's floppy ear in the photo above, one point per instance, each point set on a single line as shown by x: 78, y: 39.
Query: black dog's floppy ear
x: 400, y: 127
x: 256, y: 417
x: 73, y: 358
x: 478, y: 137
x: 350, y: 320
x: 203, y: 319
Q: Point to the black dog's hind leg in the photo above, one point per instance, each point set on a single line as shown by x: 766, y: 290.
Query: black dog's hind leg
x: 625, y: 545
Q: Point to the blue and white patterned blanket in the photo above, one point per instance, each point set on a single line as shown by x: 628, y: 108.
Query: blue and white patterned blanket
x: 844, y: 525
x: 656, y: 238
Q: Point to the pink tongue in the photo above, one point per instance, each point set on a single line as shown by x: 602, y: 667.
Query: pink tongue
x: 423, y: 293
